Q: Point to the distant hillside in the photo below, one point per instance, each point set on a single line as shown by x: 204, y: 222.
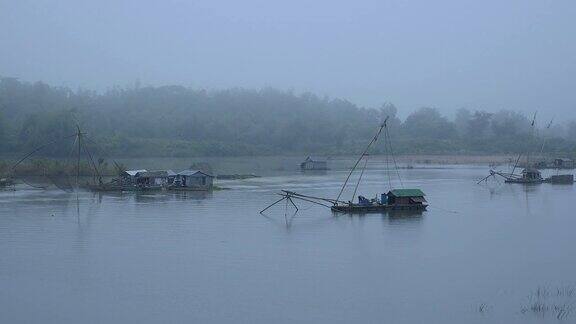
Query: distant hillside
x: 180, y: 121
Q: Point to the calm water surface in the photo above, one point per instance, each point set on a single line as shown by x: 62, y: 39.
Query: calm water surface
x: 211, y: 258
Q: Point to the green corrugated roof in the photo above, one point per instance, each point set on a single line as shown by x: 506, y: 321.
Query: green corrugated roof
x: 407, y: 193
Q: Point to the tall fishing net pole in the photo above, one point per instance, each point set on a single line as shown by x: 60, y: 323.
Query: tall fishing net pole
x: 389, y: 144
x: 61, y: 178
x: 374, y: 139
x: 360, y: 177
x: 387, y: 166
x: 31, y: 153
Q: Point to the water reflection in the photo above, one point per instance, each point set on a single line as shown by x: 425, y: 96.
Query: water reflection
x: 303, y: 218
x: 155, y: 196
x: 530, y: 188
x: 190, y: 195
x: 314, y: 172
x: 404, y: 217
x: 146, y: 197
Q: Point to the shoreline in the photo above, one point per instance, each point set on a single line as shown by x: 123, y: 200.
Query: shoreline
x: 246, y: 166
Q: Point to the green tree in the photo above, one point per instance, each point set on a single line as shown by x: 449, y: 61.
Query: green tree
x: 479, y: 124
x: 428, y: 123
x: 2, y: 130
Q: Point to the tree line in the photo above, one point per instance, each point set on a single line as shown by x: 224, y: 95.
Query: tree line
x: 181, y: 121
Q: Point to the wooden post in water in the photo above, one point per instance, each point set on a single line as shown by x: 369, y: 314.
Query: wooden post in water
x: 79, y: 134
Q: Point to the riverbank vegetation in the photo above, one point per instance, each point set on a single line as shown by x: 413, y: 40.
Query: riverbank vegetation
x: 178, y: 121
x: 58, y: 167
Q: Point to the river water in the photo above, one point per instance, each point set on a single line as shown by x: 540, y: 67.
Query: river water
x: 491, y: 253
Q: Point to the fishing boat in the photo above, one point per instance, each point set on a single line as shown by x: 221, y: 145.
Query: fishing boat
x: 395, y: 199
x: 527, y: 176
x: 530, y: 174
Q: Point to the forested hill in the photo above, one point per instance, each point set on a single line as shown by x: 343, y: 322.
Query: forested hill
x: 180, y: 121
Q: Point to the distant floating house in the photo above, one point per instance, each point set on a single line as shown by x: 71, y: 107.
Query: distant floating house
x: 192, y: 180
x: 152, y: 179
x: 564, y: 163
x: 143, y: 179
x: 129, y: 177
x: 560, y: 179
x: 314, y: 164
x: 171, y: 176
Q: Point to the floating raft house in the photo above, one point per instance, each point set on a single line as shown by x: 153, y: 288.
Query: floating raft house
x: 397, y: 199
x: 312, y: 163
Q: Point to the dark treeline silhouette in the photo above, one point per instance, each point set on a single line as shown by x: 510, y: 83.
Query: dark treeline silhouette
x: 179, y: 121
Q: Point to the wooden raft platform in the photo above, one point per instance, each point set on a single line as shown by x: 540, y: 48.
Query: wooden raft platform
x: 377, y: 208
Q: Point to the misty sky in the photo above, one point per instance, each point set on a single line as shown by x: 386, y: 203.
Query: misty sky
x: 490, y: 55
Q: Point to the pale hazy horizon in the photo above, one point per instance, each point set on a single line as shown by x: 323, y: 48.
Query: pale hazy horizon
x: 490, y: 55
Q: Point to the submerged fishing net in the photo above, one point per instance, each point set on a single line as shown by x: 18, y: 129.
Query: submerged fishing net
x: 37, y: 182
x: 61, y: 182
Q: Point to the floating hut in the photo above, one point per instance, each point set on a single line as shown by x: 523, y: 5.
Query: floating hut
x: 405, y: 197
x: 141, y: 179
x: 151, y: 179
x: 129, y: 177
x: 171, y: 176
x: 192, y: 180
x: 314, y: 164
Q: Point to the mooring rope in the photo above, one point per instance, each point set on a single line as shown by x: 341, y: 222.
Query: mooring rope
x: 444, y: 210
